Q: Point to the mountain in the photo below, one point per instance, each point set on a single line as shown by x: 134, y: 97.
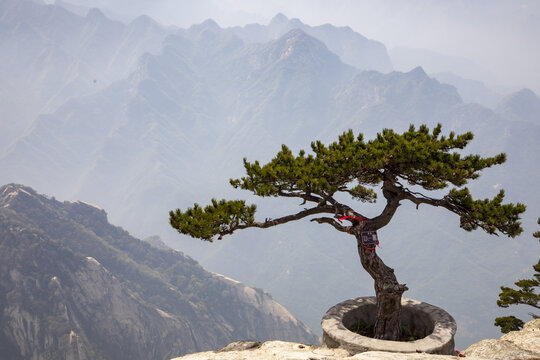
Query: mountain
x: 58, y: 51
x: 523, y: 105
x: 176, y: 129
x: 51, y: 54
x: 73, y: 286
x: 471, y: 91
x: 352, y: 48
x: 374, y: 98
x: 175, y: 108
x: 404, y: 59
x: 76, y: 9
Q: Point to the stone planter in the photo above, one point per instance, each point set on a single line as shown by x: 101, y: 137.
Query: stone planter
x: 435, y: 327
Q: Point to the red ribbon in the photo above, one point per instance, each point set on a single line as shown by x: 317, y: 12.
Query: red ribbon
x: 350, y: 217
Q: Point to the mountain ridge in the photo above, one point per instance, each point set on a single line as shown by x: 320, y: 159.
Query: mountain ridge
x: 353, y: 48
x: 52, y: 54
x: 72, y: 275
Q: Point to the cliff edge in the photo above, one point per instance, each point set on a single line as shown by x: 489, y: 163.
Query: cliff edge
x: 516, y: 345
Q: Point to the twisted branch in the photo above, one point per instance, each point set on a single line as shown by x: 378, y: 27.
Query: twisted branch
x: 282, y: 220
x: 334, y: 223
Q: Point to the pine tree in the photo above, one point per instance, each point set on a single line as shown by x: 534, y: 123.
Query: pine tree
x: 353, y: 166
x: 526, y: 295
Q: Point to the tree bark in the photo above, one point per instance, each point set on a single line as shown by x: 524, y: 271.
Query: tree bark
x: 388, y: 292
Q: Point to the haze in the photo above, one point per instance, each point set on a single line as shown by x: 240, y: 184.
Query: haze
x: 499, y: 37
x: 140, y: 119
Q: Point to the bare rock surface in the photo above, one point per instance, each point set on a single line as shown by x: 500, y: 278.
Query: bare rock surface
x: 74, y: 287
x: 516, y: 345
x: 281, y: 350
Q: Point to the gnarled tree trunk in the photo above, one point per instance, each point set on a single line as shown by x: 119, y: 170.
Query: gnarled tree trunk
x: 388, y: 292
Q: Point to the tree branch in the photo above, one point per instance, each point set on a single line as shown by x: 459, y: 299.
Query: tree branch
x: 334, y: 223
x: 282, y: 220
x: 394, y: 192
x: 530, y: 304
x: 392, y: 203
x: 306, y: 197
x: 418, y: 198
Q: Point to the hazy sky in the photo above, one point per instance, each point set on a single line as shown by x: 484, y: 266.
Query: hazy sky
x: 502, y: 36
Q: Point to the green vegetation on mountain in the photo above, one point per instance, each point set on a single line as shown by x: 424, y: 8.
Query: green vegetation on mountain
x: 71, y: 282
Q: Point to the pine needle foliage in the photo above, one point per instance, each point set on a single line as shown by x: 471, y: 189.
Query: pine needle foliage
x: 221, y: 216
x: 354, y: 166
x: 524, y: 295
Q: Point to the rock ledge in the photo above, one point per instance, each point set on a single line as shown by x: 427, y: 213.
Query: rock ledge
x: 281, y: 350
x: 516, y: 345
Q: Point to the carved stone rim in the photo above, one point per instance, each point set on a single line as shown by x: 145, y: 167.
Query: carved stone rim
x: 440, y: 341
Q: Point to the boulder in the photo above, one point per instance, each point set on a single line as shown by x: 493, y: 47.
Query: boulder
x: 516, y: 345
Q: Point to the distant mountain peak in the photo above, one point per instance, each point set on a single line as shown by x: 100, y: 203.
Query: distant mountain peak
x: 207, y: 26
x: 210, y: 23
x: 521, y: 105
x: 143, y: 19
x: 296, y: 39
x: 143, y: 23
x: 279, y: 18
x: 351, y: 47
x: 295, y: 22
x: 296, y: 34
x: 526, y: 93
x: 298, y: 50
x: 418, y: 72
x: 95, y: 13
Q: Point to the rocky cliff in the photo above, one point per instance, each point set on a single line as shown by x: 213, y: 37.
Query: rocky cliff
x: 516, y: 345
x: 72, y: 286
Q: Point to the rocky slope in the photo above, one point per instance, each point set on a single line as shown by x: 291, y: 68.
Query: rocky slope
x: 516, y: 345
x: 73, y: 286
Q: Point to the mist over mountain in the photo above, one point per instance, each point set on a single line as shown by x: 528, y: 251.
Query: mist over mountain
x: 471, y: 91
x: 404, y: 59
x: 352, y: 48
x: 76, y: 9
x: 184, y: 108
x: 74, y: 286
x: 50, y: 55
x: 523, y: 105
x: 175, y: 129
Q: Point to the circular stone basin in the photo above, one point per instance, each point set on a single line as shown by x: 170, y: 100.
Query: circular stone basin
x: 434, y: 325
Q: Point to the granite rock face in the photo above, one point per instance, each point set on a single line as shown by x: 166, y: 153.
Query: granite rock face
x: 74, y: 287
x: 280, y: 350
x: 516, y: 345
